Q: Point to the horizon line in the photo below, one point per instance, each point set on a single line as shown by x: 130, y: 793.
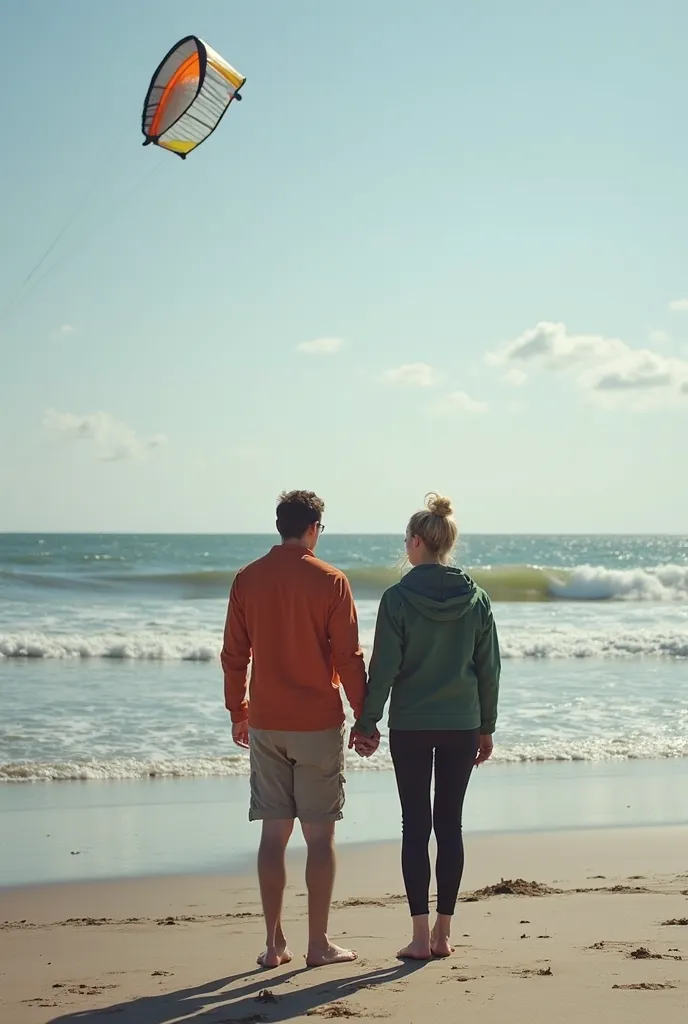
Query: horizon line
x: 343, y: 533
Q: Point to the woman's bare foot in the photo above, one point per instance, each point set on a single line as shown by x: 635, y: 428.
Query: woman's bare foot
x: 439, y: 937
x: 416, y: 950
x: 329, y: 954
x: 274, y: 957
x: 441, y: 946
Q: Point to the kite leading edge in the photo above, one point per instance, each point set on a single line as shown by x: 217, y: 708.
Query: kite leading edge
x: 188, y: 96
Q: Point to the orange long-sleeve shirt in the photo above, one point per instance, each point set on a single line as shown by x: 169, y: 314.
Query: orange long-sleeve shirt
x: 293, y: 618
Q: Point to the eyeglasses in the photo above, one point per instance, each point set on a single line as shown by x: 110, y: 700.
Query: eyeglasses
x: 321, y: 528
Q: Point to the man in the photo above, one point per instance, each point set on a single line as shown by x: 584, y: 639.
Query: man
x: 293, y: 617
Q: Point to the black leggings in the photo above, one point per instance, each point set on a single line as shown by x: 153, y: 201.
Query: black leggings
x: 454, y: 756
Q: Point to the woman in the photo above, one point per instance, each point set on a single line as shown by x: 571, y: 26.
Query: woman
x: 436, y: 649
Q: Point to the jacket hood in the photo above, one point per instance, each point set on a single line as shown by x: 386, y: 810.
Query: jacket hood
x: 439, y: 592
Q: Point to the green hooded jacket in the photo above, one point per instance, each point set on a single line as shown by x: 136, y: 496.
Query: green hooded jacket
x: 436, y: 649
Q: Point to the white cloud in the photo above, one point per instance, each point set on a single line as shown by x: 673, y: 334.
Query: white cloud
x: 66, y: 329
x: 459, y: 403
x: 605, y: 369
x: 635, y: 371
x: 658, y: 337
x: 320, y: 346
x: 417, y: 375
x: 113, y: 440
x: 679, y: 306
x: 515, y: 378
x: 552, y: 344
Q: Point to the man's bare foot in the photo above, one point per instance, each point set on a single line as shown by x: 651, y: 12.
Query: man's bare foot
x: 415, y: 950
x: 330, y: 954
x: 274, y: 957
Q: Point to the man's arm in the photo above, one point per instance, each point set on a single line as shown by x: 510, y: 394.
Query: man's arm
x: 346, y: 651
x: 384, y: 666
x: 235, y: 657
x: 487, y: 662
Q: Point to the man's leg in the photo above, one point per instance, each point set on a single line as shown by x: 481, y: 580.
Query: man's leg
x: 320, y: 872
x: 272, y: 802
x: 318, y: 759
x: 272, y: 877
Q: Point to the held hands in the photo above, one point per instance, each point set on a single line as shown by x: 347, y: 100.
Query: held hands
x: 364, y: 746
x: 485, y: 748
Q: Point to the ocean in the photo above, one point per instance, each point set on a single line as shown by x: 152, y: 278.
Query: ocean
x: 109, y: 648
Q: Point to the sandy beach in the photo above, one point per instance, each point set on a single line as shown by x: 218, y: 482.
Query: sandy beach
x: 567, y: 926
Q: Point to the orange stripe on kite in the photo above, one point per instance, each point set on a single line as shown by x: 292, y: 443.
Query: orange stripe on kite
x: 186, y: 72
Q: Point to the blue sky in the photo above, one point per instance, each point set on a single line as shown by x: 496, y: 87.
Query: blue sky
x: 438, y: 246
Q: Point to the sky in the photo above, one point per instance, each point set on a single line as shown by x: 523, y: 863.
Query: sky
x: 438, y: 246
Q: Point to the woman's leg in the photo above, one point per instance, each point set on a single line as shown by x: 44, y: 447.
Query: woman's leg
x: 455, y: 754
x: 412, y: 754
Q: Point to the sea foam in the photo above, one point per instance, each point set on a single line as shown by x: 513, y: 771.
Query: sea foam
x: 516, y: 643
x: 594, y: 748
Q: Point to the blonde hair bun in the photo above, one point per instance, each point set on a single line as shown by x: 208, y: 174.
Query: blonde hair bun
x: 435, y: 526
x: 439, y: 505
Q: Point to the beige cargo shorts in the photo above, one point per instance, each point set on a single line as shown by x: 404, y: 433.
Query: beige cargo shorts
x: 297, y: 775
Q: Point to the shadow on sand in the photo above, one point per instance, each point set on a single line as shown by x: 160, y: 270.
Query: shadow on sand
x: 211, y: 1003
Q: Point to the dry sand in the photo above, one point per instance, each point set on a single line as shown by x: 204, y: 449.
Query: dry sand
x: 588, y: 938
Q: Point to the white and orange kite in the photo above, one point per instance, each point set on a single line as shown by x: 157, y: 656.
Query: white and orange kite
x: 188, y: 96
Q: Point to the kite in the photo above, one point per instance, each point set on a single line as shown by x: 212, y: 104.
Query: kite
x: 188, y: 96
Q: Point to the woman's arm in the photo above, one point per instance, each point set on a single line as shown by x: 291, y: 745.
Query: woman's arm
x: 487, y: 662
x: 384, y: 665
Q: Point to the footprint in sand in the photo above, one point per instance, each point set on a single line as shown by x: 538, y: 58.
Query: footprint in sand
x: 458, y: 976
x: 89, y: 990
x: 333, y: 1011
x: 534, y: 972
x: 637, y: 953
x: 648, y: 986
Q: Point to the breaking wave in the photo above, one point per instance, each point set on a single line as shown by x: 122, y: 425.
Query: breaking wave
x: 595, y: 583
x: 503, y: 583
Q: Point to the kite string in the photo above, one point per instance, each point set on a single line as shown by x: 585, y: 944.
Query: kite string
x: 122, y: 204
x: 97, y: 181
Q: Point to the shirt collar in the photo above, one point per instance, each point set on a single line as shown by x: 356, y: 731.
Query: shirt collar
x: 299, y: 549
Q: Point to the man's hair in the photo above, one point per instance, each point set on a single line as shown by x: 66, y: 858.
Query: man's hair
x: 296, y: 511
